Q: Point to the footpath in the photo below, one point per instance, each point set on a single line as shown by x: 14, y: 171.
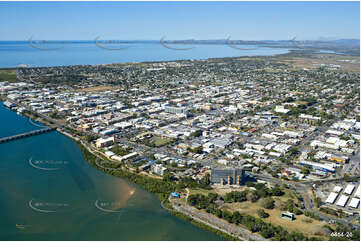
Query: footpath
x: 214, y: 222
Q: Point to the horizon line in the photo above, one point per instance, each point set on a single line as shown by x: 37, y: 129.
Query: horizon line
x: 225, y: 39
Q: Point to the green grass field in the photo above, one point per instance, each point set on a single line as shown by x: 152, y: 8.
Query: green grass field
x: 158, y: 142
x: 8, y: 75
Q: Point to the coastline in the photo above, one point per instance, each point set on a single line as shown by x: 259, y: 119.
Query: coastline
x: 164, y: 202
x: 135, y: 178
x: 282, y: 50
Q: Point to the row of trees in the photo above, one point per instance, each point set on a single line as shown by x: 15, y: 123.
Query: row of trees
x: 202, y: 202
x: 253, y: 195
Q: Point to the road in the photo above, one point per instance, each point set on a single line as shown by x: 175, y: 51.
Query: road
x: 353, y: 166
x: 214, y: 222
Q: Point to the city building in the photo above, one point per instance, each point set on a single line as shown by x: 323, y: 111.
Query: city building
x: 176, y: 110
x: 230, y: 176
x: 101, y: 142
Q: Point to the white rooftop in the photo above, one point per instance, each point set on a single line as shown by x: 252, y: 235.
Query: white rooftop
x: 349, y: 189
x: 331, y: 198
x: 342, y: 200
x: 354, y: 203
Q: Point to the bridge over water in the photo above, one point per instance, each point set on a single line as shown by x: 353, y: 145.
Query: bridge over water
x: 27, y: 134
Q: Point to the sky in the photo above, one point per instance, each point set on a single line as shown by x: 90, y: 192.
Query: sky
x: 179, y: 20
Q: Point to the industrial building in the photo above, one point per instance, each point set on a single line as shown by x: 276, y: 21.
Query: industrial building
x: 349, y: 189
x: 317, y: 166
x: 230, y: 176
x: 354, y: 203
x: 342, y: 201
x: 101, y: 142
x: 337, y: 189
x: 176, y: 110
x: 331, y: 198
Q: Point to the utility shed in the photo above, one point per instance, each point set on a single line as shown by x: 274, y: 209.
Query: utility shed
x: 331, y: 198
x: 354, y: 203
x: 342, y: 201
x: 349, y: 189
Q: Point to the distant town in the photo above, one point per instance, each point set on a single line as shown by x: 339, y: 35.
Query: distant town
x: 258, y: 148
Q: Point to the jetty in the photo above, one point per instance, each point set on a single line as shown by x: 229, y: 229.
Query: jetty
x: 27, y: 134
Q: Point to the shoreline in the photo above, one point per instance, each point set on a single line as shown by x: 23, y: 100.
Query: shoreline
x: 289, y: 50
x: 132, y: 177
x: 164, y: 202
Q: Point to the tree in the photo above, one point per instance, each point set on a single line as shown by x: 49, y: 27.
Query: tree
x: 297, y: 211
x: 274, y: 174
x: 252, y: 196
x: 290, y: 205
x: 305, y: 170
x: 197, y: 150
x: 293, y: 151
x: 262, y: 190
x: 167, y: 176
x: 206, y: 179
x: 227, y: 216
x: 267, y: 232
x: 262, y: 214
x: 236, y: 196
x: 212, y: 197
x: 236, y: 218
x: 268, y: 203
x: 197, y: 133
x: 281, y: 205
x: 219, y: 213
x: 276, y: 191
x: 198, y: 200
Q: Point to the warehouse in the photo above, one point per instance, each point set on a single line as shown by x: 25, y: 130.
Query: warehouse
x: 331, y: 198
x: 316, y: 166
x: 349, y: 189
x: 342, y: 201
x: 354, y: 203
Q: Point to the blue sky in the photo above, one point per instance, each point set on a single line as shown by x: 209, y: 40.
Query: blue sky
x: 179, y: 20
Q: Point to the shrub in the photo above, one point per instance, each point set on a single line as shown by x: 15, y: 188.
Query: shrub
x: 268, y: 203
x: 262, y: 214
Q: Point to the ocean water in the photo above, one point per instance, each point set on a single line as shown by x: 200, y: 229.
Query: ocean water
x: 49, y: 192
x: 18, y: 53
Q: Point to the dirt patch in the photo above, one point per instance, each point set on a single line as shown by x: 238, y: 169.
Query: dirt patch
x: 95, y: 89
x: 346, y: 63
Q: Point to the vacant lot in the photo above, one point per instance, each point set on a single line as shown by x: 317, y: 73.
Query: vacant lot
x: 96, y: 89
x: 158, y: 142
x: 306, y: 225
